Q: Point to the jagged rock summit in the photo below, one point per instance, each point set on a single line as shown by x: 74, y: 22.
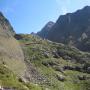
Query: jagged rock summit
x: 44, y: 32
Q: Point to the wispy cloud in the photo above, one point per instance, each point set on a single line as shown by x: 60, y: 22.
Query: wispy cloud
x: 71, y: 5
x: 64, y: 10
x: 63, y: 5
x: 9, y: 8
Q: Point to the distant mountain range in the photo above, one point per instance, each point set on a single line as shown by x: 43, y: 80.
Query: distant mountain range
x: 71, y: 29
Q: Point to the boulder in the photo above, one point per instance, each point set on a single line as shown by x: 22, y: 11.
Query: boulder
x: 61, y: 78
x: 82, y: 77
x: 88, y: 69
x: 60, y: 69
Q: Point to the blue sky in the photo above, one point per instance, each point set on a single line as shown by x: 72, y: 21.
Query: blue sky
x: 28, y: 16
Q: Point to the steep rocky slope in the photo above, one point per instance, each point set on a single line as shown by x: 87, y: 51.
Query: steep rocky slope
x: 72, y: 29
x: 10, y: 51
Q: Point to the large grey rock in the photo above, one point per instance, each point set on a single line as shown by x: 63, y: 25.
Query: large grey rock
x: 61, y: 77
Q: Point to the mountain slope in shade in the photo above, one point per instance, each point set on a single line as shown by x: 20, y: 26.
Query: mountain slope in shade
x: 11, y: 53
x: 44, y: 32
x: 72, y: 29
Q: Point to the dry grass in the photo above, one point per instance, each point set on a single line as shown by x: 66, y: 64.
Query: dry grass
x: 11, y: 53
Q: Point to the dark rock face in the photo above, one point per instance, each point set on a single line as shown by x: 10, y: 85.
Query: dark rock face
x: 72, y: 29
x: 44, y: 32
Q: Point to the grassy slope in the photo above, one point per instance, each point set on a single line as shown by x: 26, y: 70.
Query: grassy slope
x: 11, y: 53
x: 36, y: 57
x: 9, y: 80
x: 12, y: 65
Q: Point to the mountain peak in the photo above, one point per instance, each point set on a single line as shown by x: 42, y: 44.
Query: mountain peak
x: 45, y: 30
x: 48, y: 25
x: 87, y: 7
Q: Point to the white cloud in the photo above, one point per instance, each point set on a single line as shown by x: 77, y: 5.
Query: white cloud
x: 64, y: 10
x: 63, y: 5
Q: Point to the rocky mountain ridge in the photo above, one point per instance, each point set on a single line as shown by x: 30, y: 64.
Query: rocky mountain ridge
x: 72, y: 29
